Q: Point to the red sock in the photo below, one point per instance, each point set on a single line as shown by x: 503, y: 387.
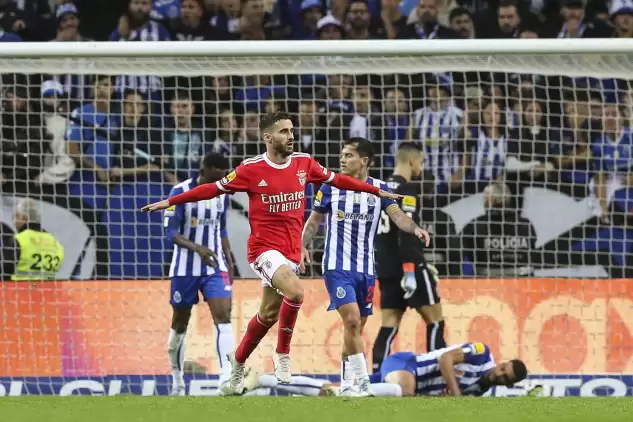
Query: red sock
x: 287, y: 318
x: 255, y: 332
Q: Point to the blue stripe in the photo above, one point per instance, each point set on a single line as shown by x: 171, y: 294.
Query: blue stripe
x: 340, y: 241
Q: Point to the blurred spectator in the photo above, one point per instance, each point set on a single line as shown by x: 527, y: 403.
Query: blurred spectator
x: 392, y: 21
x: 509, y: 21
x: 227, y: 21
x: 191, y: 25
x: 528, y: 153
x: 329, y: 28
x: 427, y: 25
x: 257, y: 91
x: 395, y: 124
x: 58, y: 167
x: 23, y: 141
x: 612, y: 162
x: 308, y: 137
x: 461, y: 21
x: 436, y: 126
x: 575, y: 23
x: 338, y: 8
x: 227, y: 136
x: 89, y: 145
x: 363, y: 122
x: 68, y: 24
x: 136, y: 25
x: 12, y: 19
x: 498, y: 243
x: 621, y: 13
x: 250, y: 140
x: 9, y: 37
x: 569, y: 142
x: 166, y: 11
x: 137, y: 149
x: 485, y: 148
x: 358, y: 21
x: 254, y: 20
x: 301, y: 16
x: 185, y: 141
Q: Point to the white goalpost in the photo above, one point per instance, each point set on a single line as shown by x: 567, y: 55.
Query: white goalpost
x: 551, y: 282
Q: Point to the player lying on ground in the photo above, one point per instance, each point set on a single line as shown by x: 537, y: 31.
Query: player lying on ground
x: 201, y: 261
x: 467, y: 369
x: 275, y: 182
x: 405, y: 279
x: 348, y: 262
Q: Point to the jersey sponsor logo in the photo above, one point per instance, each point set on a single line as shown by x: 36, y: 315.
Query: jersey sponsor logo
x: 409, y: 203
x: 229, y: 178
x: 356, y: 216
x: 301, y: 174
x: 282, y: 201
x: 196, y: 222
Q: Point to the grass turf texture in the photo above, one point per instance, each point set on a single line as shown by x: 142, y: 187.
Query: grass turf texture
x: 308, y: 409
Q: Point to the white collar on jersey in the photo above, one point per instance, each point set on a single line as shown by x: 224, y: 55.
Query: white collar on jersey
x: 277, y: 166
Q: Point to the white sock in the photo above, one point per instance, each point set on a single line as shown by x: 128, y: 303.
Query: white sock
x: 359, y: 365
x: 176, y: 352
x: 387, y: 390
x: 347, y: 374
x: 224, y: 344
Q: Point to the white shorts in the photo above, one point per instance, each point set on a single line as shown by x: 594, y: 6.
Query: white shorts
x: 267, y: 263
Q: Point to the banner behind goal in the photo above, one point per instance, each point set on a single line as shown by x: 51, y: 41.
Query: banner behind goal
x: 524, y: 175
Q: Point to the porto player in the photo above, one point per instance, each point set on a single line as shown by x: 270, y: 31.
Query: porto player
x: 275, y: 182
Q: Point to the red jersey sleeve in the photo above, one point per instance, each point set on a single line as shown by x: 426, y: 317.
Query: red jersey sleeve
x: 236, y: 181
x: 318, y: 174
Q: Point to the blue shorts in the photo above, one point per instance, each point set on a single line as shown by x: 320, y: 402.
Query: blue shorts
x: 401, y: 361
x: 348, y: 287
x: 184, y: 289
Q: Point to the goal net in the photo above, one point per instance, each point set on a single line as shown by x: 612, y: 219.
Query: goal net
x: 526, y: 191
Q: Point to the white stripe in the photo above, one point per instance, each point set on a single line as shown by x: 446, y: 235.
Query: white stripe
x: 429, y: 287
x: 333, y: 226
x: 182, y: 262
x: 360, y: 239
x: 196, y: 268
x: 347, y: 231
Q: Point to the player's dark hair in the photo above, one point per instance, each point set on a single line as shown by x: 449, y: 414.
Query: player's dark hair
x: 409, y: 146
x: 509, y: 3
x: 363, y: 146
x: 406, y: 150
x: 458, y: 11
x: 519, y: 369
x: 215, y: 161
x: 269, y: 119
x: 181, y: 95
x: 102, y: 78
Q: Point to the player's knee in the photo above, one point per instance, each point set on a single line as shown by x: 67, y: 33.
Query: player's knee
x: 222, y: 316
x: 352, y: 323
x: 295, y: 293
x: 180, y: 320
x: 269, y: 315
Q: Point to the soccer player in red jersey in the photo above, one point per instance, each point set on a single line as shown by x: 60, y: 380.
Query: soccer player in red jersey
x: 275, y: 182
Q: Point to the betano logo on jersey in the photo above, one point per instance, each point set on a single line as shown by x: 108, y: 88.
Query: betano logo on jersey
x: 195, y: 222
x: 283, y: 201
x: 354, y: 216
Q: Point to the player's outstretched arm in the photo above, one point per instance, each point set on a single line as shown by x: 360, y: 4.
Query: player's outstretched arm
x: 406, y: 223
x: 447, y: 364
x: 199, y: 193
x: 345, y: 182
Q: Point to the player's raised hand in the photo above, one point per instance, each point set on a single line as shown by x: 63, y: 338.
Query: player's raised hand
x: 389, y: 195
x: 207, y: 255
x: 423, y: 234
x: 305, y: 259
x: 156, y: 206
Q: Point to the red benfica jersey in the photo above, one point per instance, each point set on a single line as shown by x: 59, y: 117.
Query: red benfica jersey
x: 276, y: 200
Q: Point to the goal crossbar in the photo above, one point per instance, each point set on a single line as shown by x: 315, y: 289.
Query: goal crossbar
x: 564, y: 57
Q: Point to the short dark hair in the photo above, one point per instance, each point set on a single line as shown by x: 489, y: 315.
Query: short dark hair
x: 181, y: 94
x: 363, y: 146
x: 100, y: 78
x: 215, y: 161
x: 269, y: 119
x: 131, y: 91
x: 409, y: 146
x: 509, y: 3
x: 519, y: 369
x: 458, y: 11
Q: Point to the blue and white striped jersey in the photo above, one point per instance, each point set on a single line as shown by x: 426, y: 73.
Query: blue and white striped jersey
x: 352, y: 221
x: 488, y: 155
x: 203, y: 223
x: 478, y: 360
x: 438, y: 131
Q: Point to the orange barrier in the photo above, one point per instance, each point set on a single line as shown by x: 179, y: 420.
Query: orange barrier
x: 91, y: 328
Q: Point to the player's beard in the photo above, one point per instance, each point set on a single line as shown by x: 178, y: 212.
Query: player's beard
x: 284, y: 149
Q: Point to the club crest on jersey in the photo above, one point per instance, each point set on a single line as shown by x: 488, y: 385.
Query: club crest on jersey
x: 301, y: 174
x: 371, y: 200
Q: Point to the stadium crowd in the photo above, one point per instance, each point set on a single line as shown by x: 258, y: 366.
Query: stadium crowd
x: 82, y: 141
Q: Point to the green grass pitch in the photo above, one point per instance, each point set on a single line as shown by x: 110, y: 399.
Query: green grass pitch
x: 313, y: 409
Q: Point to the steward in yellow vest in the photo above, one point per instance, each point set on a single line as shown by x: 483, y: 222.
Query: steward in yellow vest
x: 33, y: 253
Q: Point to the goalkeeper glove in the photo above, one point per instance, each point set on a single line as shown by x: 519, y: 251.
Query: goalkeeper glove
x: 408, y: 282
x: 435, y: 275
